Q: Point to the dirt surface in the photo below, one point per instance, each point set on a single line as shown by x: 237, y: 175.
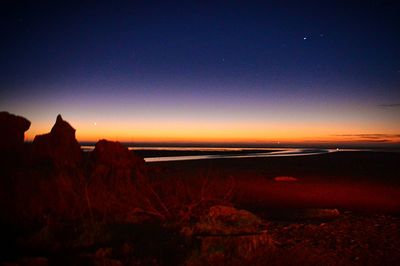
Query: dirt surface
x: 351, y: 239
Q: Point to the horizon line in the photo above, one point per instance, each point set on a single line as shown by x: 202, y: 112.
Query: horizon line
x: 256, y: 144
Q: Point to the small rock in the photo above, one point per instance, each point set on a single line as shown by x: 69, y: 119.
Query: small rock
x: 285, y: 179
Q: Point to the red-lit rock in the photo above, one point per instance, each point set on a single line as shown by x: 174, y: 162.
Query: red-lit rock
x: 58, y: 147
x: 227, y: 235
x: 113, y: 159
x: 12, y: 129
x: 112, y: 153
x: 285, y: 179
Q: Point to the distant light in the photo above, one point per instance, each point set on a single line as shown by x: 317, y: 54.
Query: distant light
x: 95, y: 123
x: 337, y: 149
x: 305, y: 38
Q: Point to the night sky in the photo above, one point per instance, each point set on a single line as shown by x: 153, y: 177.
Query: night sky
x: 326, y: 71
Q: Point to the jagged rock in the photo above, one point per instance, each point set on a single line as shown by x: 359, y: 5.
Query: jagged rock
x: 58, y: 147
x: 227, y: 236
x: 12, y: 129
x: 112, y: 153
x: 113, y: 159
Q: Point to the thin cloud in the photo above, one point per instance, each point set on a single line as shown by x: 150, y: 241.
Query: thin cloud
x: 389, y: 105
x: 368, y: 135
x: 377, y: 140
x: 371, y: 137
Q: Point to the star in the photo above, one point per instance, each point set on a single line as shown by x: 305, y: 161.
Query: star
x: 305, y: 38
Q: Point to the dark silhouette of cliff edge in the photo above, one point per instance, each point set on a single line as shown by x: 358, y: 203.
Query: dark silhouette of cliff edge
x: 12, y: 130
x: 52, y: 177
x: 59, y: 147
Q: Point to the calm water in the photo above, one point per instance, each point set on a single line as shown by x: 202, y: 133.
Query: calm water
x: 240, y: 152
x: 283, y: 152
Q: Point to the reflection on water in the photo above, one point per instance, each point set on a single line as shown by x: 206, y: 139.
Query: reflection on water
x: 280, y: 153
x: 252, y: 152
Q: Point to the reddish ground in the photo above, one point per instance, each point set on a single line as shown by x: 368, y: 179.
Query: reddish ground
x: 363, y: 186
x: 367, y: 181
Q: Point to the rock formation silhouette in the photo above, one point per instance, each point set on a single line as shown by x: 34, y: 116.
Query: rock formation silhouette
x: 59, y: 147
x: 52, y: 176
x: 111, y: 160
x: 12, y: 130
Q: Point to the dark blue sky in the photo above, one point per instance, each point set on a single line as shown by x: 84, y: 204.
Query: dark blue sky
x: 248, y: 59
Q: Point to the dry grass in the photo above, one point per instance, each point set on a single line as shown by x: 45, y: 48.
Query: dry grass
x: 38, y: 197
x: 123, y: 198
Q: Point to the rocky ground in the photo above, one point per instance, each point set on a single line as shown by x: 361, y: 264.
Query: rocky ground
x: 224, y: 236
x: 351, y: 239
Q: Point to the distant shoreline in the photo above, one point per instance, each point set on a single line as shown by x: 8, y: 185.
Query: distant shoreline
x: 255, y: 145
x: 167, y: 153
x: 348, y: 166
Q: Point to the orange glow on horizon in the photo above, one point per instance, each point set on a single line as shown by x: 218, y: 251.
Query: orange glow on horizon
x: 220, y: 133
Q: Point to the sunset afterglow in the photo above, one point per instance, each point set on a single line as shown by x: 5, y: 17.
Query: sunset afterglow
x: 196, y: 73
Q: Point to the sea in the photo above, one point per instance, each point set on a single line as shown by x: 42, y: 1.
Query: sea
x: 179, y: 153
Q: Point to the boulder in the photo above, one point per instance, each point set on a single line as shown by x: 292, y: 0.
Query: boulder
x: 114, y: 154
x: 59, y: 147
x: 112, y: 159
x: 12, y: 130
x: 229, y: 236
